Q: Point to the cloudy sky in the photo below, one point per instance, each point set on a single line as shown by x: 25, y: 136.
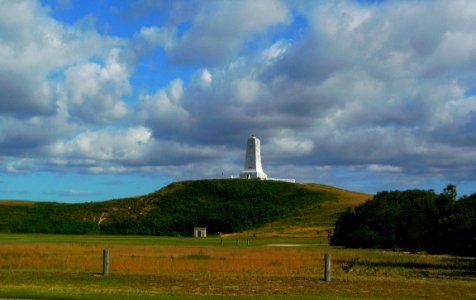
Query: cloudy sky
x: 105, y: 99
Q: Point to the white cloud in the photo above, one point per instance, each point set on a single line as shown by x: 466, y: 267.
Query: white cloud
x: 37, y: 106
x: 276, y: 51
x: 34, y: 50
x: 132, y: 149
x: 28, y: 136
x: 220, y: 29
x: 382, y: 88
x: 163, y: 111
x: 157, y: 36
x: 148, y: 38
x: 206, y: 78
x: 289, y: 146
x: 93, y: 92
x: 333, y: 18
x: 107, y: 145
x: 383, y: 168
x: 246, y: 89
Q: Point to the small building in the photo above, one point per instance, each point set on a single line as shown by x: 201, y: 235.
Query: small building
x: 200, y: 232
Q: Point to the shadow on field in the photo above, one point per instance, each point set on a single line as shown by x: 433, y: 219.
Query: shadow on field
x: 465, y: 267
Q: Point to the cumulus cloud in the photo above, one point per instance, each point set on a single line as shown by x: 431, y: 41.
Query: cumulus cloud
x: 360, y: 88
x: 54, y: 78
x: 203, y: 79
x: 384, y: 168
x: 34, y: 49
x: 106, y: 145
x: 93, y: 92
x: 328, y: 86
x: 289, y: 145
x: 127, y: 150
x: 149, y: 38
x: 23, y: 89
x: 28, y: 136
x: 163, y: 111
x: 220, y: 29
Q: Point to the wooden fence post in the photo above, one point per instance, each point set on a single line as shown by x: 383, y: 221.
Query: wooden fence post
x: 247, y: 242
x: 105, y: 262
x: 327, y: 267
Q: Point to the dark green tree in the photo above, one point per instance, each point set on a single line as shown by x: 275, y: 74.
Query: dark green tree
x: 413, y: 219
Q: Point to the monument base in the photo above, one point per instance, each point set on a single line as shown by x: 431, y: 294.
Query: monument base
x: 253, y: 174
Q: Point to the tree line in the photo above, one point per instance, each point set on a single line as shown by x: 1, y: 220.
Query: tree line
x: 417, y: 220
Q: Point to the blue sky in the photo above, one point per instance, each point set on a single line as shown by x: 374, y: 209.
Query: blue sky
x: 108, y: 99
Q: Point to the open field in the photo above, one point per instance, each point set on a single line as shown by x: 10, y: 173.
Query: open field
x: 69, y: 266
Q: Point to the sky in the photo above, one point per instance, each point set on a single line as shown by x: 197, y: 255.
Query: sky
x: 109, y: 99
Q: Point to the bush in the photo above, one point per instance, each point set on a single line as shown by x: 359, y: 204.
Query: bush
x: 413, y: 219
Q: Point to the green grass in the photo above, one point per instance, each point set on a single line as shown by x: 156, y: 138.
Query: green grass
x: 213, y: 240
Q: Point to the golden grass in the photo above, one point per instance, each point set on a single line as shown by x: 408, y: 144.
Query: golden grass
x: 17, y: 202
x: 127, y: 259
x: 69, y: 268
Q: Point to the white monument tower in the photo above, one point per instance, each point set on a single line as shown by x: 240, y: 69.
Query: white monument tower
x: 253, y: 167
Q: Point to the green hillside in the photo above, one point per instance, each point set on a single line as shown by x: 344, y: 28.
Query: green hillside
x: 265, y: 208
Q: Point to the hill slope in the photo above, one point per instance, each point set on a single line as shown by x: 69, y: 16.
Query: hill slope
x: 315, y: 219
x: 227, y: 205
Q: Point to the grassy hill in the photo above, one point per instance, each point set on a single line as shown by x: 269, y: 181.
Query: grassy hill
x: 315, y: 219
x: 248, y: 207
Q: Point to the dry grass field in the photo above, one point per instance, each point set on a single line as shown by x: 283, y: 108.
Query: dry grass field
x: 62, y: 267
x: 16, y: 202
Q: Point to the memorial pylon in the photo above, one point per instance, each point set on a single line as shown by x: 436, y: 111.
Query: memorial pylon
x: 253, y: 167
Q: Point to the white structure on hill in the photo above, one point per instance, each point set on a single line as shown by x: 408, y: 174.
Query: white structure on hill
x: 253, y: 167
